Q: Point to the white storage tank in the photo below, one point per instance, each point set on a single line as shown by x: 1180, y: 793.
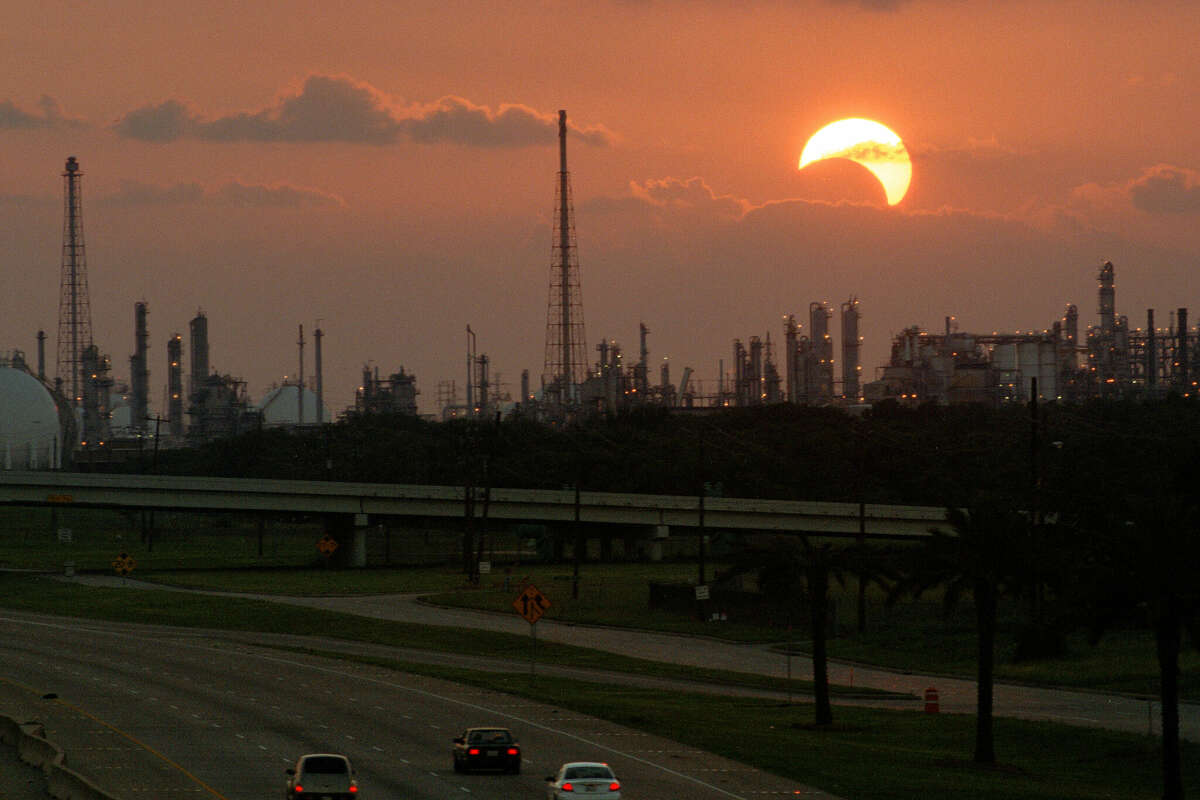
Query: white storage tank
x: 30, y: 437
x: 281, y: 406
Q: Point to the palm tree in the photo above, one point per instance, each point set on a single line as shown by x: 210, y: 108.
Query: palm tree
x: 796, y: 571
x: 983, y: 559
x: 1144, y: 557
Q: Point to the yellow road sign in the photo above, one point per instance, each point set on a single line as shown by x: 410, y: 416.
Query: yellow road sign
x: 124, y: 564
x: 531, y: 604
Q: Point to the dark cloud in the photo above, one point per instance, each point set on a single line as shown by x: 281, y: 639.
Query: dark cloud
x: 988, y: 148
x: 871, y: 5
x: 1165, y: 189
x: 875, y: 151
x: 459, y: 121
x: 690, y: 194
x: 330, y: 108
x: 48, y: 115
x: 230, y: 195
x: 164, y: 122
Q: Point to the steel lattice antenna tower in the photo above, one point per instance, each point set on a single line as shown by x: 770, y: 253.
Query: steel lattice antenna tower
x: 565, y: 365
x: 74, y: 311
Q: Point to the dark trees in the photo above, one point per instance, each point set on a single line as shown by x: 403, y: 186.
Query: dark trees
x: 983, y: 558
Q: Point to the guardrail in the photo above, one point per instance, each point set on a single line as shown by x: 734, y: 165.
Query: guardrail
x: 62, y: 782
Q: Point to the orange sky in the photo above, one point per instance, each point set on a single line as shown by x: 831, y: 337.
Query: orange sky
x: 388, y: 167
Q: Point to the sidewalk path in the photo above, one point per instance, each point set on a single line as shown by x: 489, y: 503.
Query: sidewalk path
x: 956, y: 695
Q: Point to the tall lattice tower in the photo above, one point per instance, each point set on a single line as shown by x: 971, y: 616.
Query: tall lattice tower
x: 566, y: 348
x: 74, y: 311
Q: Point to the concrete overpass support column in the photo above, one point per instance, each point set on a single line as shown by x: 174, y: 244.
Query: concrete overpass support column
x: 358, y: 542
x: 658, y: 534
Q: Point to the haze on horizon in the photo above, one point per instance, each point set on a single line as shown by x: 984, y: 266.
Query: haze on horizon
x: 388, y: 168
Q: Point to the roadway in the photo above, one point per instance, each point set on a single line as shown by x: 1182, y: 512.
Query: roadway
x: 150, y: 711
x: 368, y: 502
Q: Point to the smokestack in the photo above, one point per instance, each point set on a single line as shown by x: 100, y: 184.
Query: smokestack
x: 791, y: 333
x: 1181, y: 352
x: 525, y: 386
x: 139, y: 366
x: 317, y: 334
x: 850, y: 348
x: 175, y: 385
x: 300, y: 381
x: 1108, y: 301
x: 470, y: 372
x: 199, y: 336
x: 1151, y: 348
x: 41, y: 337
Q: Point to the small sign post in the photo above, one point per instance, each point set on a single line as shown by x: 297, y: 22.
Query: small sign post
x: 531, y: 604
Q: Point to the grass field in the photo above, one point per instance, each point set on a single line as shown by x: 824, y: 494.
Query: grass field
x: 223, y: 552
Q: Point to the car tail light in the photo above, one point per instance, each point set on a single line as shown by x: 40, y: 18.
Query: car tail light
x: 474, y: 751
x: 512, y: 751
x: 614, y: 787
x: 566, y: 787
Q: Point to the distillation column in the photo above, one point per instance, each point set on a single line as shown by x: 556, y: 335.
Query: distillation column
x: 139, y: 366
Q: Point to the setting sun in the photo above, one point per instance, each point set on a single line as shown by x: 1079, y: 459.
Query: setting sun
x: 865, y: 142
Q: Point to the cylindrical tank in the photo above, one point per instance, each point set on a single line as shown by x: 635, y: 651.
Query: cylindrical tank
x: 30, y: 436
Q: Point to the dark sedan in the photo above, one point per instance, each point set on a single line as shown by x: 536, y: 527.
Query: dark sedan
x: 487, y: 748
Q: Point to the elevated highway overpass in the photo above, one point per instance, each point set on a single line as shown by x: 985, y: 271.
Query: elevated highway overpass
x: 374, y: 501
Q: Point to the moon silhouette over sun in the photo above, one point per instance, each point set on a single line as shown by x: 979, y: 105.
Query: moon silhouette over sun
x: 865, y: 142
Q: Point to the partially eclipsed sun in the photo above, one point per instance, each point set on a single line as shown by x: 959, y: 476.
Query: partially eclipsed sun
x: 868, y: 143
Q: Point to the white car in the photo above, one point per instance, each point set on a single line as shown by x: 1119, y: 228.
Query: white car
x: 579, y: 779
x: 322, y: 776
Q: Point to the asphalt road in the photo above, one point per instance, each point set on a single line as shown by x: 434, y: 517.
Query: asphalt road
x: 148, y: 711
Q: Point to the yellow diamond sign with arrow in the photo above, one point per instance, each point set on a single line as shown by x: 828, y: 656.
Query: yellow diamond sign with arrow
x: 531, y: 604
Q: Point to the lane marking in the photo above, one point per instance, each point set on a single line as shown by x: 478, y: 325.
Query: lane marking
x: 176, y: 765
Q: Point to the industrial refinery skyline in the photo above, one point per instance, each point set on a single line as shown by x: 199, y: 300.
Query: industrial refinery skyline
x: 388, y: 173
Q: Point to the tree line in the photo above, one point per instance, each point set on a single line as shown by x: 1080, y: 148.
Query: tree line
x: 1087, y: 514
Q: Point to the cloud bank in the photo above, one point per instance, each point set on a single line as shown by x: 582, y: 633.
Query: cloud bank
x: 48, y: 115
x: 1165, y: 189
x: 233, y: 194
x: 692, y: 194
x: 336, y: 108
x: 1162, y: 190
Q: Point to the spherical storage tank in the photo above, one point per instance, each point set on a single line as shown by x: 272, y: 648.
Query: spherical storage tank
x: 29, y: 427
x: 281, y: 406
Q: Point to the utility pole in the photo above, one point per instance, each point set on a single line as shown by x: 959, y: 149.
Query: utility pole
x: 700, y: 527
